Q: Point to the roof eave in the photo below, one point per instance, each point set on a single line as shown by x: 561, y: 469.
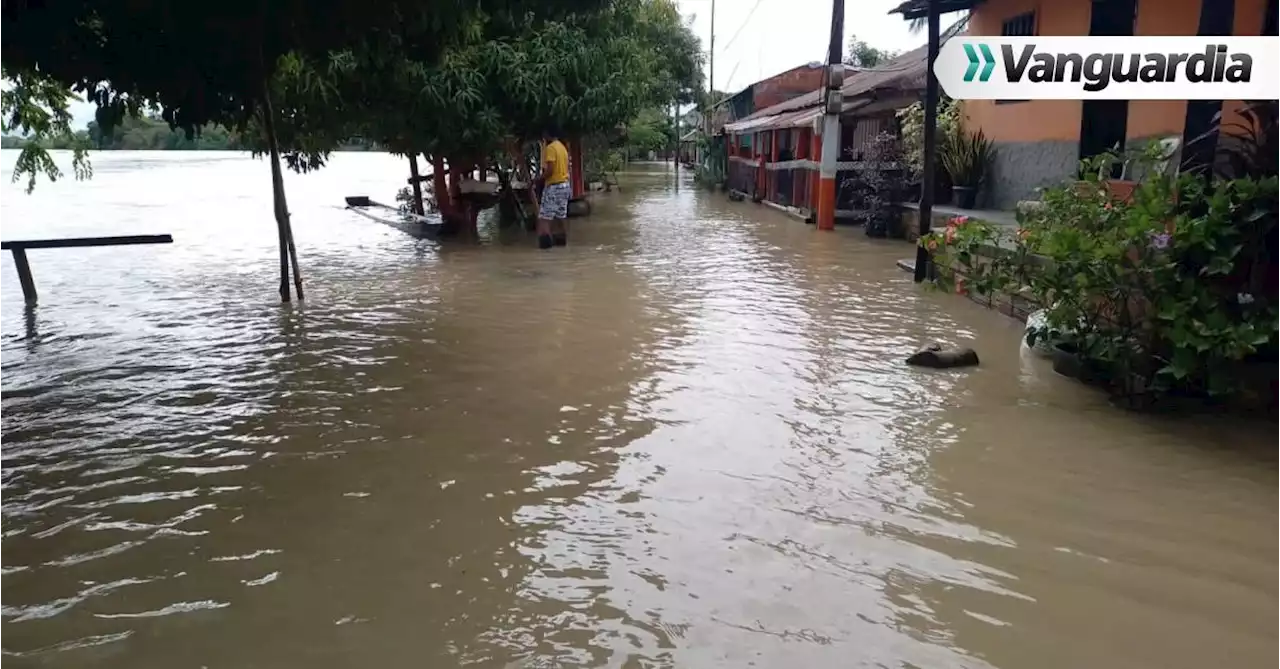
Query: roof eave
x: 919, y: 9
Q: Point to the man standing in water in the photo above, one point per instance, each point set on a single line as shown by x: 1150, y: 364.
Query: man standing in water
x: 554, y: 209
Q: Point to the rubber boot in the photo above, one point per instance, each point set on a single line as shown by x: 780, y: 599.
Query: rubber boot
x: 544, y: 241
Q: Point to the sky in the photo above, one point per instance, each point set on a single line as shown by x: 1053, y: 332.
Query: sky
x: 760, y: 38
x: 756, y: 39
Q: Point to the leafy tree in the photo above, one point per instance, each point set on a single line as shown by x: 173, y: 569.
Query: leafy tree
x: 202, y: 63
x: 862, y: 54
x: 37, y: 106
x: 590, y: 72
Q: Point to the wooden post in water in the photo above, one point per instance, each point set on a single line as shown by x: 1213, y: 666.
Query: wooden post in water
x: 19, y: 250
x: 24, y: 275
x: 416, y: 180
x: 288, y: 252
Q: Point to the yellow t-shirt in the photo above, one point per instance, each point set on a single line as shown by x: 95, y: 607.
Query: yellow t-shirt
x: 555, y: 159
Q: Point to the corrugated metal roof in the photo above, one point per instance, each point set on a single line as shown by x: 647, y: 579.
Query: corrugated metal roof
x: 904, y: 72
x: 749, y: 124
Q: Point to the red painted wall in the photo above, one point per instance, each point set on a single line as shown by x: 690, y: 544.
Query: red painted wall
x: 782, y: 87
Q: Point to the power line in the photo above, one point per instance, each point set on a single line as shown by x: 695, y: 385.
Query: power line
x: 744, y: 24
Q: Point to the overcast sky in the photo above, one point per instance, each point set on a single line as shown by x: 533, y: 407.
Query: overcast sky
x: 773, y: 36
x: 760, y: 38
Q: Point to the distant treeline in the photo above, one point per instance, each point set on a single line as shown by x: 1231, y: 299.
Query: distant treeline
x: 147, y: 133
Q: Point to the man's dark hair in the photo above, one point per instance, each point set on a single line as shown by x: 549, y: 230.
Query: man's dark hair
x: 552, y: 130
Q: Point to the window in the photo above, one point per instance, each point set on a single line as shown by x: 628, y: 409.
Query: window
x: 1022, y: 25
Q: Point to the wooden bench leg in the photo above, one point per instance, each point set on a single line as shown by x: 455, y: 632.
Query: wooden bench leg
x: 24, y: 275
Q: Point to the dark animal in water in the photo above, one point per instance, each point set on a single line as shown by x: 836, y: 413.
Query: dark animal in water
x: 932, y: 355
x: 736, y: 196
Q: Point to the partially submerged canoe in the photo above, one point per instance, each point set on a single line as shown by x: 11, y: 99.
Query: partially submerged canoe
x: 422, y: 227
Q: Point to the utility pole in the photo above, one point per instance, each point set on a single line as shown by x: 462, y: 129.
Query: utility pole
x: 675, y: 154
x: 927, y: 182
x: 833, y: 82
x: 711, y: 76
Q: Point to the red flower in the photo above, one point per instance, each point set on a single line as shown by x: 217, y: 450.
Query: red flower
x: 958, y: 220
x: 950, y: 234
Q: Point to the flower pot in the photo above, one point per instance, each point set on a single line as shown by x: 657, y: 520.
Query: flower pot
x: 1068, y: 362
x: 966, y: 196
x: 1120, y: 190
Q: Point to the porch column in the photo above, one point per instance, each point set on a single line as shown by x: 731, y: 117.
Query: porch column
x: 578, y: 188
x: 773, y: 158
x: 930, y: 144
x: 815, y: 155
x: 1216, y: 19
x: 761, y: 182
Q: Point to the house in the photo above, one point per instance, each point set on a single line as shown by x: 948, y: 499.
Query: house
x: 1040, y: 142
x: 774, y: 153
x: 768, y: 92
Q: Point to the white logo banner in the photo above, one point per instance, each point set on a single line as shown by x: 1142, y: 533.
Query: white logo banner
x: 1110, y: 68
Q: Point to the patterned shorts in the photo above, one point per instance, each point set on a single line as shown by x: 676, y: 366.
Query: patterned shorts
x: 555, y: 202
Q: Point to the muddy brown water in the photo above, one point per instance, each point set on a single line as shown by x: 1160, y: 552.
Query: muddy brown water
x: 686, y: 440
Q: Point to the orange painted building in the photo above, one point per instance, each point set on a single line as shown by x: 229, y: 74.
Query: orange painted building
x: 1039, y: 142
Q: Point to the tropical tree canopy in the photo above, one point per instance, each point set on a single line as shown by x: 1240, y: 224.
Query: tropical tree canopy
x: 590, y: 71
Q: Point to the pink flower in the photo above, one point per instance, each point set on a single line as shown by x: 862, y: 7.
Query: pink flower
x: 950, y: 234
x: 1107, y: 206
x: 959, y: 220
x: 960, y: 289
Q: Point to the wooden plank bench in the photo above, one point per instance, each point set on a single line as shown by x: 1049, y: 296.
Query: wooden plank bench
x: 19, y: 249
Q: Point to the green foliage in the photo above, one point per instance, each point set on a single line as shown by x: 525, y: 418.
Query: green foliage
x: 911, y: 124
x: 588, y: 72
x: 1161, y: 289
x: 966, y: 157
x: 37, y: 106
x: 650, y: 130
x: 862, y: 54
x: 1249, y: 146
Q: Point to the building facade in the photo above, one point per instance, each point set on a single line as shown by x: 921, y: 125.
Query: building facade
x: 1040, y: 142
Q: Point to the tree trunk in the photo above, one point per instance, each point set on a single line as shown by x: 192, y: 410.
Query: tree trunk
x: 417, y: 185
x: 288, y: 253
x: 438, y: 183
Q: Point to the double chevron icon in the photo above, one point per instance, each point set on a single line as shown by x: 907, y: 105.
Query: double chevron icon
x: 988, y: 62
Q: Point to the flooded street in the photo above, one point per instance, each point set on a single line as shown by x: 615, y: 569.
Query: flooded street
x: 687, y: 440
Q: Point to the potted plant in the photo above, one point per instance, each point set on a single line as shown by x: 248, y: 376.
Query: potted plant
x: 967, y: 158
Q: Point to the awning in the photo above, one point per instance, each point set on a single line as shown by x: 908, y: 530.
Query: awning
x: 748, y: 125
x: 797, y: 119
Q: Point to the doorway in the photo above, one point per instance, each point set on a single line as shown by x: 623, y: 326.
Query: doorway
x: 1104, y: 123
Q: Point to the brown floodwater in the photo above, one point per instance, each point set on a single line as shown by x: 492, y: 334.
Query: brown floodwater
x: 686, y: 440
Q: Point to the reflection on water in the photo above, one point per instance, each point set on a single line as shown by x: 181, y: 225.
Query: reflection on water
x: 685, y: 440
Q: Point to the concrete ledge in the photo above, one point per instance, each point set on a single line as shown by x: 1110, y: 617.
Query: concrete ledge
x: 995, y: 216
x: 793, y: 212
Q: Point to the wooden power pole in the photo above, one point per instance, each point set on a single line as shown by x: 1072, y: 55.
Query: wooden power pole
x: 831, y: 121
x: 928, y: 181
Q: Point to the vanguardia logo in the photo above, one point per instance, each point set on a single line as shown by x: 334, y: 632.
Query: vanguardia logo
x: 1113, y: 68
x: 1098, y: 70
